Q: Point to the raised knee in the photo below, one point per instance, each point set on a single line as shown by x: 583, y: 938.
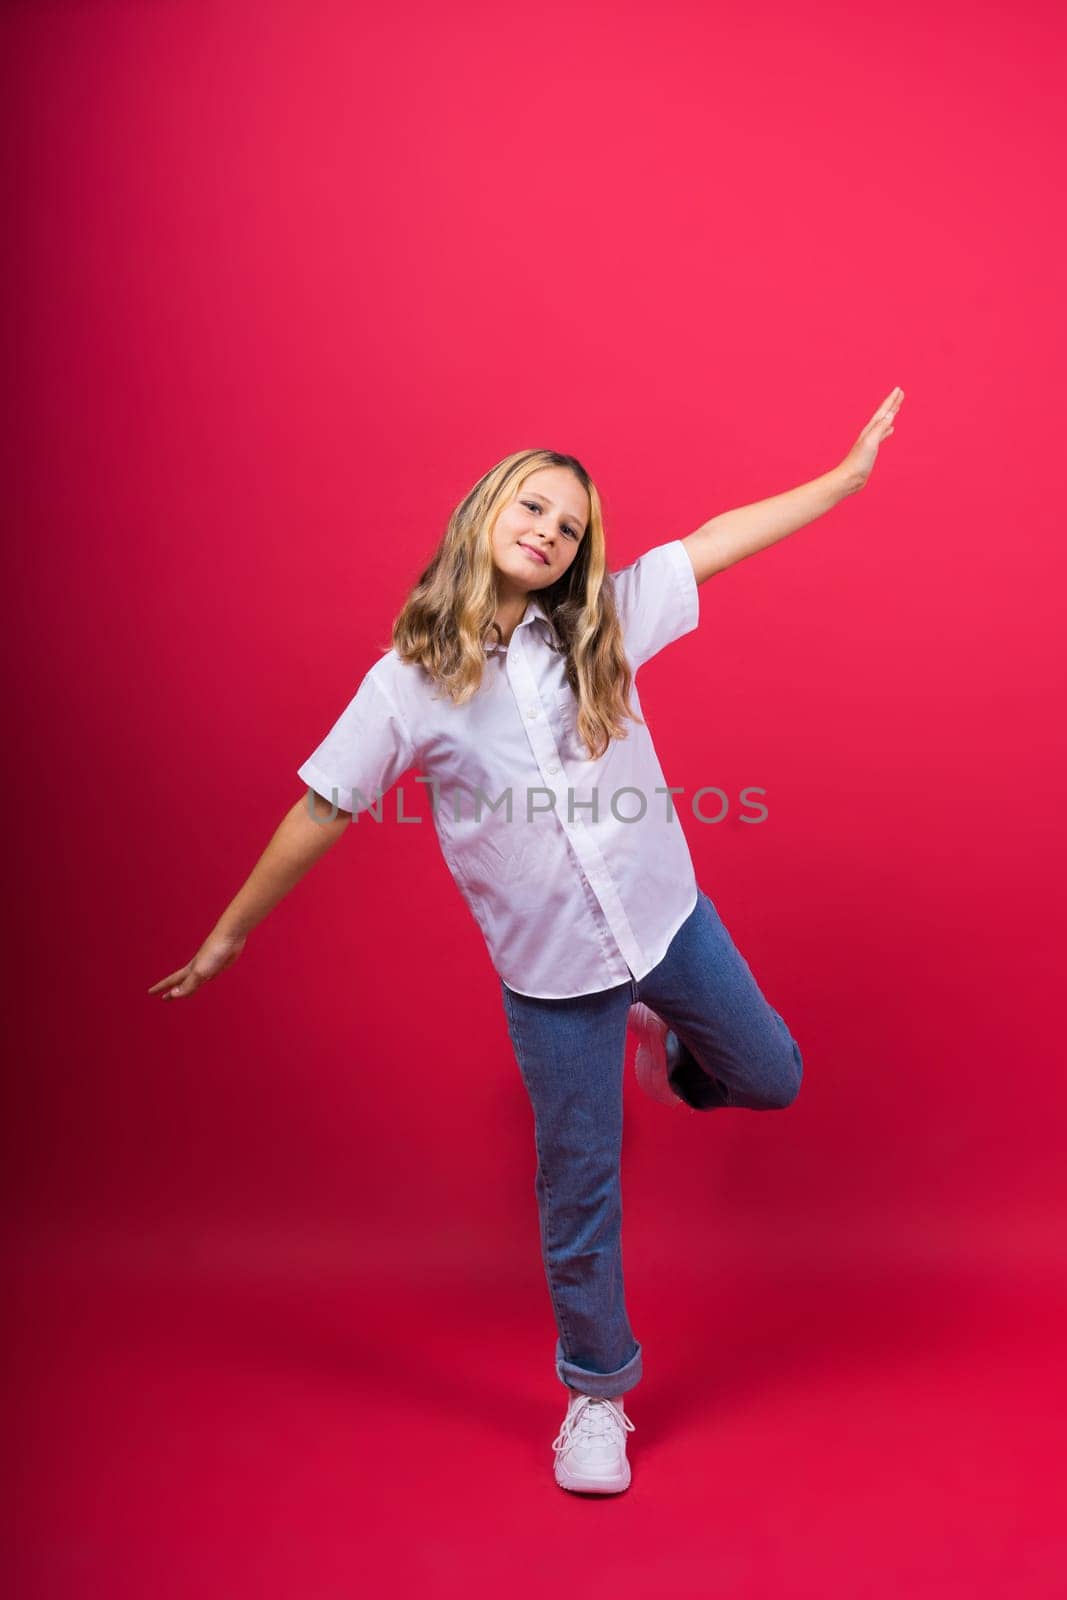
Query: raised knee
x: 788, y: 1068
x: 795, y: 1076
x: 787, y: 1076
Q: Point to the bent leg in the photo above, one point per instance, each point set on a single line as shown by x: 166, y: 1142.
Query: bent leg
x: 728, y: 1046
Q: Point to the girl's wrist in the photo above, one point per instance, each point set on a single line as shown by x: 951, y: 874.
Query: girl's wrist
x: 849, y: 479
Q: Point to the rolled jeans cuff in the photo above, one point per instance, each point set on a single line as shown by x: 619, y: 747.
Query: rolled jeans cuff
x: 602, y: 1384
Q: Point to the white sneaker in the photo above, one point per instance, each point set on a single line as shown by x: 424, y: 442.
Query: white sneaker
x: 650, y: 1063
x: 591, y: 1446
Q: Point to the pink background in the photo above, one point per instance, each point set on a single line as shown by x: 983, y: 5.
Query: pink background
x: 282, y: 281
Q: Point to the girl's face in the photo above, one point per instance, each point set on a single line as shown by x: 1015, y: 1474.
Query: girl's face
x: 537, y: 536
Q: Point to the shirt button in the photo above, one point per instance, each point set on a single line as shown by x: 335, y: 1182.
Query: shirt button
x: 553, y: 771
x: 533, y: 712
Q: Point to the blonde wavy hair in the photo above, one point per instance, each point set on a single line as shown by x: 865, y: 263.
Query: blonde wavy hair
x: 447, y: 618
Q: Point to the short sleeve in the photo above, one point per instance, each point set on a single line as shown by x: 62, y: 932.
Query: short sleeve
x: 657, y: 600
x: 365, y: 752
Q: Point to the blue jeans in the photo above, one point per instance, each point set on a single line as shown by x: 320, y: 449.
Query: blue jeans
x: 727, y: 1047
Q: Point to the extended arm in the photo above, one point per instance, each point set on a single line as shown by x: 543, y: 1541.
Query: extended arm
x: 306, y: 832
x: 733, y: 535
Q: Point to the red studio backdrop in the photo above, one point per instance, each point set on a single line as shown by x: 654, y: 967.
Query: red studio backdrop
x: 281, y: 282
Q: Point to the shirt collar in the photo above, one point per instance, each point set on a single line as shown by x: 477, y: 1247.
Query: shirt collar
x: 532, y: 615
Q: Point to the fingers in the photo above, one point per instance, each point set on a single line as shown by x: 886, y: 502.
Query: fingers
x: 165, y: 983
x: 176, y: 985
x: 886, y: 413
x: 188, y: 986
x: 891, y: 405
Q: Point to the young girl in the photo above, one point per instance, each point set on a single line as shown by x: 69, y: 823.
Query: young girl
x: 510, y: 684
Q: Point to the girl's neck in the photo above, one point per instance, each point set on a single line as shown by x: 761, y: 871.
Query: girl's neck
x: 510, y: 610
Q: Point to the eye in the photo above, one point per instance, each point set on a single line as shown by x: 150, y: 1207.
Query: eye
x: 533, y: 506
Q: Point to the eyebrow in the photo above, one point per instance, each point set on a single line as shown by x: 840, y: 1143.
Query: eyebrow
x: 535, y: 494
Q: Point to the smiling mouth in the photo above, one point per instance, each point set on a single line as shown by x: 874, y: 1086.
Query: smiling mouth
x: 533, y: 552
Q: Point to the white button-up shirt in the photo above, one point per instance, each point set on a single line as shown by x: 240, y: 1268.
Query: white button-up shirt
x: 591, y: 877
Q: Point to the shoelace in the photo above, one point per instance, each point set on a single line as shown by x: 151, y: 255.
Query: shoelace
x: 591, y: 1419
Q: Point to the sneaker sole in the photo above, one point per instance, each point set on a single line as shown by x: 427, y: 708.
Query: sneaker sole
x: 650, y: 1062
x: 580, y: 1485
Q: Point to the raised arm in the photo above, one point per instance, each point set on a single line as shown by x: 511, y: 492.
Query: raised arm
x: 733, y: 535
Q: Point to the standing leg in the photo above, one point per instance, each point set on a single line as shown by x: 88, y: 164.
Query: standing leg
x: 728, y: 1046
x: 571, y: 1054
